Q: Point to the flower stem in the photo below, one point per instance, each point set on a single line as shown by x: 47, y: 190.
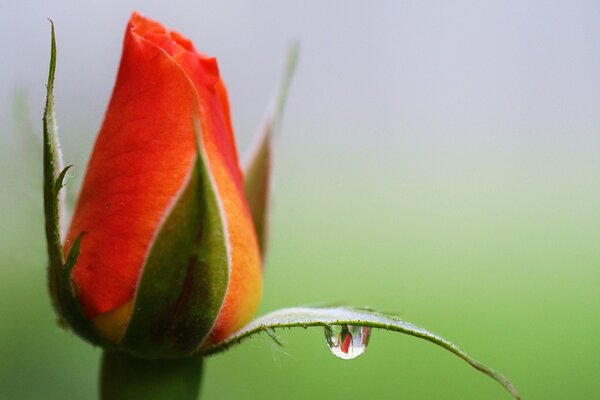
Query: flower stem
x: 127, y: 378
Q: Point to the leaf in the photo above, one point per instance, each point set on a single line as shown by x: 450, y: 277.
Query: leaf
x: 258, y: 165
x: 312, y: 316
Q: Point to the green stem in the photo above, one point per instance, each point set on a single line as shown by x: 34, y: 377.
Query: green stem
x: 127, y: 378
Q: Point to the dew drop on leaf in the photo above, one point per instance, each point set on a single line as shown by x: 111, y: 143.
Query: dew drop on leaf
x: 347, y: 341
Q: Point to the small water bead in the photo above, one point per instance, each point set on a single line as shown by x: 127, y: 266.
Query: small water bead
x: 347, y: 341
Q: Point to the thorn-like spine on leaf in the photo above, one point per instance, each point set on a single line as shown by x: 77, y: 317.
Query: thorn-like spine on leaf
x: 59, y: 183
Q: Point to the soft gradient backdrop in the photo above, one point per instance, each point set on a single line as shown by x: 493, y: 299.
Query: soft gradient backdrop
x: 438, y: 160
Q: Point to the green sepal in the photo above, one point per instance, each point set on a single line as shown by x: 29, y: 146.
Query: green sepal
x: 59, y: 271
x: 52, y: 159
x: 259, y: 163
x: 185, y: 277
x: 305, y: 317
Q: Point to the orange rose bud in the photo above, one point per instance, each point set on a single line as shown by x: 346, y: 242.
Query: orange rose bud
x: 170, y: 259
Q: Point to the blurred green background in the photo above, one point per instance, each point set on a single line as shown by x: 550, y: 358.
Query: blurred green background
x: 438, y: 160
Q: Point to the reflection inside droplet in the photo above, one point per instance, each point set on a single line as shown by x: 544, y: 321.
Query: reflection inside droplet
x: 347, y: 341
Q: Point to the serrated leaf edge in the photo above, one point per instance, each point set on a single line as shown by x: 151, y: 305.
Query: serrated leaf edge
x: 313, y: 316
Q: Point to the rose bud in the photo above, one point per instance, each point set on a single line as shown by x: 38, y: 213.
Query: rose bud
x: 162, y: 263
x: 169, y: 258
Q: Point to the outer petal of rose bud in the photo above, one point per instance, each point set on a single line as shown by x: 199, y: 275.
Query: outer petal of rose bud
x: 140, y: 205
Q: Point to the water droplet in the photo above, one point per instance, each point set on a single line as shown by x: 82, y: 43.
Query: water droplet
x: 347, y: 341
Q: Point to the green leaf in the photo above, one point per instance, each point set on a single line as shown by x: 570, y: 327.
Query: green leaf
x: 258, y: 166
x: 326, y: 316
x: 59, y: 270
x: 185, y: 277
